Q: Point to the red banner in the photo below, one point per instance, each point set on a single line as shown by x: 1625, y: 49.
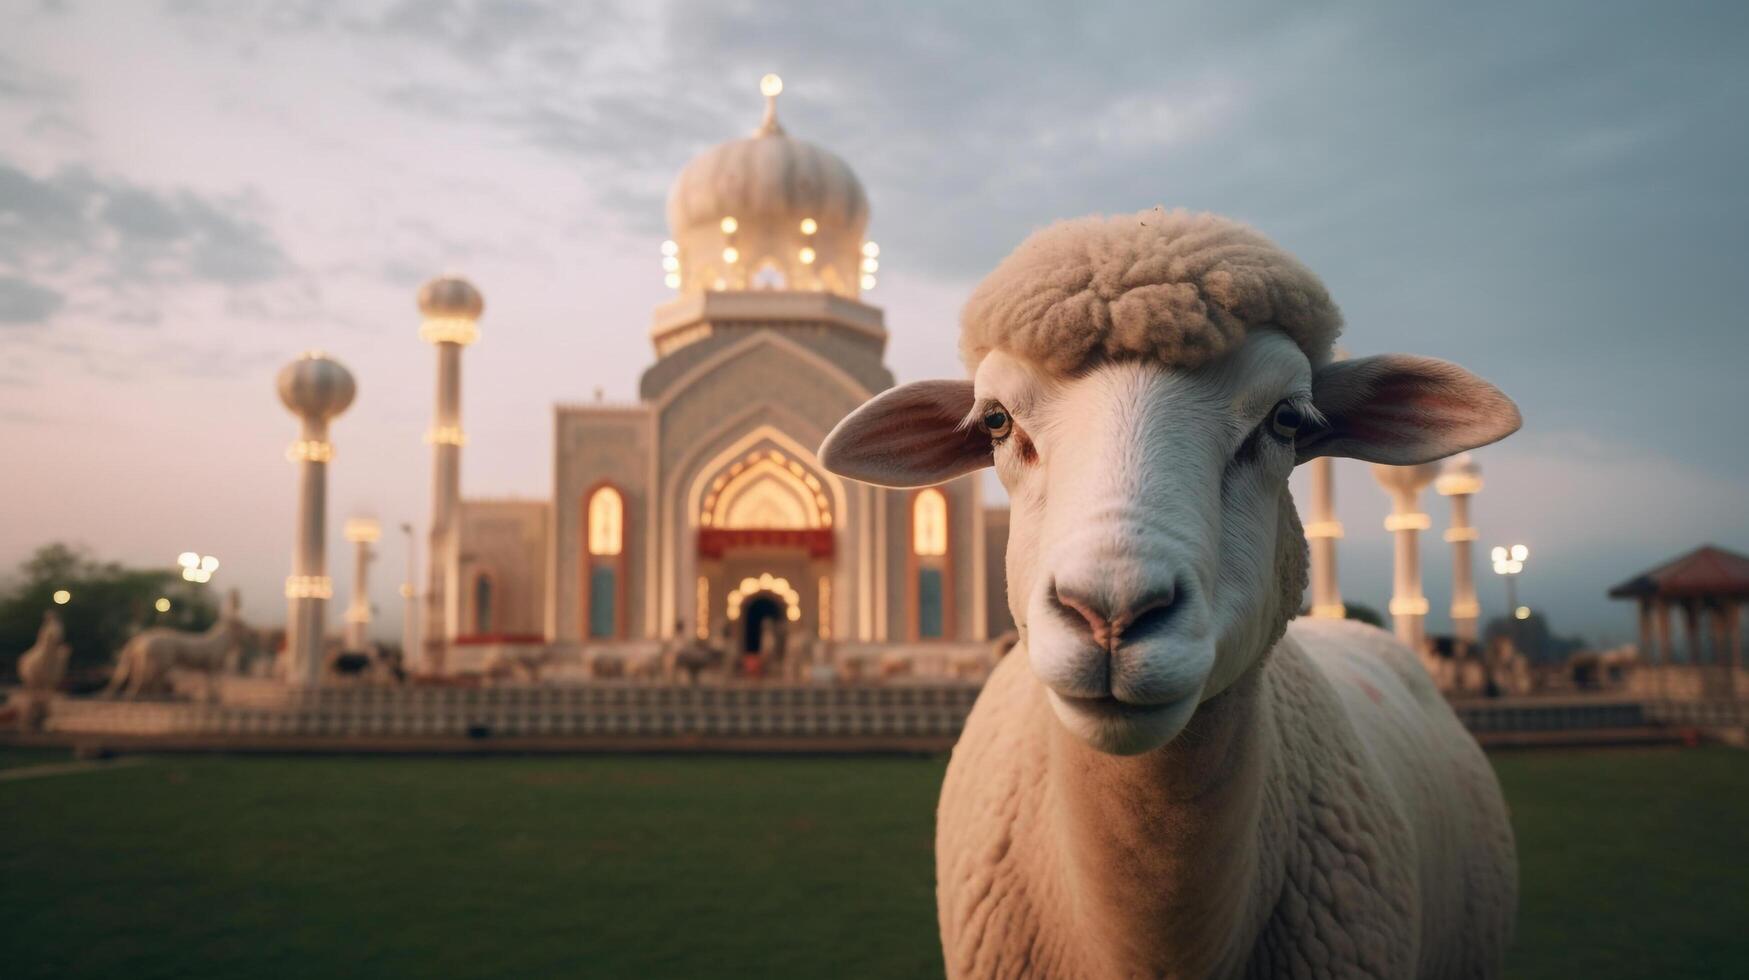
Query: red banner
x: 713, y: 542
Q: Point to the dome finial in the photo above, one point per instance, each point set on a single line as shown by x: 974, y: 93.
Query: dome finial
x: 770, y: 86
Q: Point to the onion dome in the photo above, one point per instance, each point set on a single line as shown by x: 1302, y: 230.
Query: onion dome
x: 768, y: 211
x: 316, y: 387
x: 1405, y: 479
x: 451, y: 308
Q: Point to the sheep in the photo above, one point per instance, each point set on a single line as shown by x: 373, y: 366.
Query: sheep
x: 1170, y: 779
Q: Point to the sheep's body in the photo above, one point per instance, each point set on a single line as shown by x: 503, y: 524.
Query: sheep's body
x: 1369, y: 829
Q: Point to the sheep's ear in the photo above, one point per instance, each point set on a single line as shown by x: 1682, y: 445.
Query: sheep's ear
x: 909, y: 436
x: 1404, y: 410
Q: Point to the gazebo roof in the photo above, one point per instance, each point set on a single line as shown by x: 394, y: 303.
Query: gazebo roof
x: 1706, y: 572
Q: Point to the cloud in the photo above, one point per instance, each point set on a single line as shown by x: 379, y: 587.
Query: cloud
x: 23, y: 301
x: 119, y: 246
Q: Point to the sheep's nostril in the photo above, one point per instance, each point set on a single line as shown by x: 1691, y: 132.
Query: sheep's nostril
x: 1145, y: 614
x: 1152, y: 613
x: 1088, y: 611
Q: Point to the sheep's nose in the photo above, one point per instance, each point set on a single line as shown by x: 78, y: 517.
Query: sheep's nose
x: 1113, y: 619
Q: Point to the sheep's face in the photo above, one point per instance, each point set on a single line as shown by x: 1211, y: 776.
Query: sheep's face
x: 1149, y: 511
x: 1153, y: 552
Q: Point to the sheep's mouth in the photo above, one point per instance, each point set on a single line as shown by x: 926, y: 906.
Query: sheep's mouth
x: 1111, y: 706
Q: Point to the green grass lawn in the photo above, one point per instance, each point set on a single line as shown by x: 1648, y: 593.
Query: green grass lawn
x: 702, y: 866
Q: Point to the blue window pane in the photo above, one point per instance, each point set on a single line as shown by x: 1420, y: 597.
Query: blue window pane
x: 602, y: 602
x: 929, y: 615
x: 482, y: 605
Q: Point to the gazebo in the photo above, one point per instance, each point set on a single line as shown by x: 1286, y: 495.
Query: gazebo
x: 1708, y: 587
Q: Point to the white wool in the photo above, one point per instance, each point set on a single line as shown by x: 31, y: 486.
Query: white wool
x: 1178, y: 287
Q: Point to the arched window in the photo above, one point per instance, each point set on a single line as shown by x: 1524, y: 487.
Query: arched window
x: 482, y: 603
x: 606, y: 522
x: 604, y: 586
x: 929, y: 563
x: 929, y: 524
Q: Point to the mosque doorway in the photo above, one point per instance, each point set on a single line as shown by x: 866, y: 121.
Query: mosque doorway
x: 756, y: 612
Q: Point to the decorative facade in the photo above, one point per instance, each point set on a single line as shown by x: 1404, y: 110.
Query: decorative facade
x: 700, y: 510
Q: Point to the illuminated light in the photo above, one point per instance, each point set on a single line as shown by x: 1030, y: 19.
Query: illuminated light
x: 62, y: 597
x: 309, y: 587
x: 825, y: 608
x: 868, y: 282
x: 771, y: 86
x: 1335, y: 610
x: 671, y: 280
x: 1408, y: 522
x: 670, y: 248
x: 188, y: 559
x: 162, y: 605
x: 870, y: 265
x: 1409, y: 607
x: 702, y: 609
x: 1522, y: 612
x: 929, y: 523
x: 731, y: 255
x: 670, y: 263
x: 209, y: 564
x: 729, y: 225
x: 363, y: 529
x: 1520, y: 552
x: 461, y: 330
x: 1499, y: 555
x: 606, y: 522
x: 806, y: 255
x: 310, y: 451
x: 871, y: 250
x: 407, y: 591
x: 446, y: 435
x: 809, y: 226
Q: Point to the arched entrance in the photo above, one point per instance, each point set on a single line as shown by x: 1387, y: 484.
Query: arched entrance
x: 756, y: 611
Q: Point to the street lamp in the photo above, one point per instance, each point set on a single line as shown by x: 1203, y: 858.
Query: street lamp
x: 197, y: 567
x: 1508, y: 563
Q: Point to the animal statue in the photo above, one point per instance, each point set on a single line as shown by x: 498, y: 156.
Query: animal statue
x: 1168, y: 779
x: 42, y: 668
x: 146, y: 660
x: 522, y: 666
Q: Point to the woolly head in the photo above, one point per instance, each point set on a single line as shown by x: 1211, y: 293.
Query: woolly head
x: 1144, y: 395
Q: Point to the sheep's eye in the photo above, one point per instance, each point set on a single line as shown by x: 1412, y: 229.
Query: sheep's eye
x: 995, y: 421
x: 1285, y: 421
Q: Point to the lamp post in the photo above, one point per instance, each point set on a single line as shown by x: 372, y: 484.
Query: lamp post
x: 316, y: 389
x: 410, y: 654
x: 1460, y: 479
x: 1406, y: 522
x: 450, y: 309
x: 1508, y: 564
x: 362, y: 532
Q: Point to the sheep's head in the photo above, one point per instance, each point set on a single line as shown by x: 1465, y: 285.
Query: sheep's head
x: 1153, y: 553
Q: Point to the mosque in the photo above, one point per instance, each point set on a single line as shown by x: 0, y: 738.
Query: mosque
x: 700, y: 510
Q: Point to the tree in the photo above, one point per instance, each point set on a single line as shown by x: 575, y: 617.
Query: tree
x: 1533, y: 638
x: 1364, y: 614
x: 109, y: 603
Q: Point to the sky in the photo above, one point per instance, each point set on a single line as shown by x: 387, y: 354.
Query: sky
x: 193, y: 192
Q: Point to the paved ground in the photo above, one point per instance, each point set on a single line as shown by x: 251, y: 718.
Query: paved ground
x: 705, y: 866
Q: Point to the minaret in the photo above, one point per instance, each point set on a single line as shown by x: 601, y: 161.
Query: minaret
x: 1460, y: 479
x: 1407, y: 521
x: 362, y: 532
x: 1321, y: 534
x: 451, y: 308
x: 316, y: 389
